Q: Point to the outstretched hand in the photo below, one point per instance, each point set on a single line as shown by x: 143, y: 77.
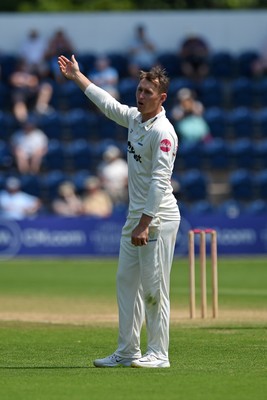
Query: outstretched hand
x: 69, y: 68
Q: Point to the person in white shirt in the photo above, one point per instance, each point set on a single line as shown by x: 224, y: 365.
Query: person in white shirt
x: 16, y: 204
x: 149, y: 234
x: 29, y: 146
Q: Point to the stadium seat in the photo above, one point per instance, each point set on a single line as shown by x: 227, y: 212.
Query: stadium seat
x: 79, y: 153
x: 261, y: 120
x: 31, y: 184
x: 80, y: 123
x: 202, y: 207
x: 79, y: 178
x: 86, y: 61
x: 6, y: 158
x: 52, y: 125
x: 260, y: 154
x: 171, y: 62
x: 127, y: 90
x: 189, y: 156
x: 242, y: 92
x: 50, y: 183
x: 242, y: 122
x: 260, y: 182
x: 71, y: 96
x: 244, y: 62
x: 230, y: 208
x: 256, y: 207
x: 242, y: 185
x: 210, y: 92
x: 55, y: 157
x: 119, y: 61
x: 194, y: 185
x: 241, y: 153
x: 222, y: 65
x: 215, y: 154
x: 216, y: 118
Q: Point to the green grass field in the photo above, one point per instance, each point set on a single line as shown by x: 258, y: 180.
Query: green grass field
x: 57, y: 316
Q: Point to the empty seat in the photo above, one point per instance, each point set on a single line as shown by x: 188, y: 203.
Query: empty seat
x: 215, y: 154
x: 242, y: 185
x: 260, y: 154
x: 230, y: 208
x: 242, y: 122
x: 31, y: 184
x: 210, y: 92
x: 216, y: 118
x: 79, y: 153
x: 50, y: 183
x: 119, y: 61
x: 202, y: 207
x: 194, y: 185
x: 256, y: 207
x: 171, y: 62
x: 260, y: 182
x: 52, y: 125
x: 241, y: 153
x: 222, y: 65
x: 55, y: 156
x: 244, y: 62
x: 6, y: 158
x: 261, y: 121
x: 189, y: 156
x: 242, y: 92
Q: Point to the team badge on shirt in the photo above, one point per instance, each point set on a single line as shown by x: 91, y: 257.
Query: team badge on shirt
x: 165, y: 145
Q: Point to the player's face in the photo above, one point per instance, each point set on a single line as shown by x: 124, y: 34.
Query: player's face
x: 148, y: 99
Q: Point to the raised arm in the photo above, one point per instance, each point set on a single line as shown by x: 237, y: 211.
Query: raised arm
x: 70, y: 69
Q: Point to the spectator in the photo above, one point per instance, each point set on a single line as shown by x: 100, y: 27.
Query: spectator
x: 29, y: 92
x: 96, y: 201
x: 259, y: 66
x: 142, y: 51
x: 105, y: 76
x: 194, y: 56
x: 16, y: 204
x: 32, y: 52
x: 29, y: 146
x: 58, y: 44
x: 68, y: 203
x: 188, y: 118
x: 113, y: 172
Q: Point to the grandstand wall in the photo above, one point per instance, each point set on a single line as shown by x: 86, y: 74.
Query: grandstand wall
x: 111, y: 31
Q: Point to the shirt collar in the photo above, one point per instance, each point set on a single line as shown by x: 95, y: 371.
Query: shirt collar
x: 149, y: 123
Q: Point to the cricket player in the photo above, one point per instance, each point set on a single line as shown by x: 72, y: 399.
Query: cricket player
x: 149, y: 234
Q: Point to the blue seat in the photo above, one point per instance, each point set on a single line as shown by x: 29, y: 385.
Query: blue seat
x: 230, y: 208
x: 50, y: 183
x: 260, y: 154
x: 31, y: 184
x: 242, y: 92
x: 80, y: 123
x: 242, y: 185
x: 242, y: 122
x: 55, y: 156
x: 106, y: 128
x: 86, y: 61
x: 244, y: 62
x: 256, y: 207
x: 210, y: 92
x: 194, y: 185
x: 71, y: 96
x: 189, y: 156
x: 52, y: 125
x: 79, y: 178
x: 171, y: 62
x: 222, y: 65
x: 6, y: 158
x: 202, y: 207
x: 79, y: 154
x: 215, y: 154
x: 241, y: 153
x: 261, y: 121
x: 260, y: 182
x: 216, y: 118
x: 127, y: 89
x: 119, y: 61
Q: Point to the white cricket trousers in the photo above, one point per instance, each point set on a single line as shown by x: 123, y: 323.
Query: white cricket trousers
x: 143, y: 286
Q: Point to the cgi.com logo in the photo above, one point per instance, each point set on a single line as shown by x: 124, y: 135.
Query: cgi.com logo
x: 10, y: 239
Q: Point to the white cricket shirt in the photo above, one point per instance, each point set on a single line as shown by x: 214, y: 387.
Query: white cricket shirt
x: 152, y: 147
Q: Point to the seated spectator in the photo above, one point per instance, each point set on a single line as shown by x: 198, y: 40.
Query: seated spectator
x: 187, y: 116
x: 16, y: 204
x: 105, y: 76
x: 142, y: 51
x: 68, y: 203
x: 32, y: 52
x: 58, y: 44
x: 29, y: 146
x: 29, y: 92
x: 96, y: 201
x: 113, y: 173
x: 194, y: 55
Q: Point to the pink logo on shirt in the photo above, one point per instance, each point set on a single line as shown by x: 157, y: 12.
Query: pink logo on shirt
x: 165, y: 145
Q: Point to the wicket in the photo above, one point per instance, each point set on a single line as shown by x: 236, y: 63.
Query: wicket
x: 203, y: 282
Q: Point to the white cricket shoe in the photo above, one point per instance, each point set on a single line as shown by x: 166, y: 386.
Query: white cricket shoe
x: 113, y: 361
x: 150, y: 361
